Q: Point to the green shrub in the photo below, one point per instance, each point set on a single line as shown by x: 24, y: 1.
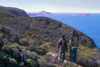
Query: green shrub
x: 43, y: 49
x: 44, y: 63
x: 23, y: 42
x: 1, y: 35
x: 1, y: 26
x: 12, y: 60
x: 47, y: 46
x: 30, y: 63
x: 32, y: 55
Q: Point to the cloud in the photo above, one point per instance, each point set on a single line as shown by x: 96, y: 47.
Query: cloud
x: 54, y: 5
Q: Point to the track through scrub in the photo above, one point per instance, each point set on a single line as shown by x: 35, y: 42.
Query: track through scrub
x: 56, y: 54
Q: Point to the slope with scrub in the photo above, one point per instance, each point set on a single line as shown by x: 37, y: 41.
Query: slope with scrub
x: 29, y: 39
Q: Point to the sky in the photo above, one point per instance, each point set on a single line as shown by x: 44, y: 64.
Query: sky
x: 65, y: 6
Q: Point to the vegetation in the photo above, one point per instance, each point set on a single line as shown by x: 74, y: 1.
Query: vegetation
x: 29, y: 39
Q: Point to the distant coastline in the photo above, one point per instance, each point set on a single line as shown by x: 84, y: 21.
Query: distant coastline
x: 38, y: 13
x: 82, y: 15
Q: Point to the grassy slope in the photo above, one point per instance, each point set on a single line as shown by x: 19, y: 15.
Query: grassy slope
x: 42, y: 33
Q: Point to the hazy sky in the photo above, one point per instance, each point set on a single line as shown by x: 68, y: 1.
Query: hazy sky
x: 54, y: 5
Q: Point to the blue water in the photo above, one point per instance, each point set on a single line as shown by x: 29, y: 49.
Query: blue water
x: 89, y: 25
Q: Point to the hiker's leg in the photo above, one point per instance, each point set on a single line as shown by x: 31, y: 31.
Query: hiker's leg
x: 71, y: 55
x: 75, y: 55
x: 59, y: 54
x: 64, y: 56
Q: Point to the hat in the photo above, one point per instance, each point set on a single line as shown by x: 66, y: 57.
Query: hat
x: 62, y: 36
x: 73, y: 31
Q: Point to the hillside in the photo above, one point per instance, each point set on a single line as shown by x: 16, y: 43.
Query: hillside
x: 12, y: 11
x: 35, y: 37
x: 45, y: 27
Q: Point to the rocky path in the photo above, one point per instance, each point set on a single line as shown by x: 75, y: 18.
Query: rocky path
x: 56, y: 54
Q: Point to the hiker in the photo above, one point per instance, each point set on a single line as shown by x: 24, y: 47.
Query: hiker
x: 74, y: 38
x: 62, y: 47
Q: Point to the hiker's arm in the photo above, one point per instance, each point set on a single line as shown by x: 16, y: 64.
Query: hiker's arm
x: 59, y: 44
x: 70, y: 42
x: 71, y: 38
x: 66, y: 46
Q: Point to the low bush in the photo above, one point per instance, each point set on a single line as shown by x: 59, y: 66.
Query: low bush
x: 23, y: 42
x: 43, y: 49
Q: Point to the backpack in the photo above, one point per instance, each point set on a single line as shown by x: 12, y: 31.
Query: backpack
x: 64, y: 46
x: 74, y: 40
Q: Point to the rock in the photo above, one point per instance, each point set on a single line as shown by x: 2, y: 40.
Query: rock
x: 88, y: 62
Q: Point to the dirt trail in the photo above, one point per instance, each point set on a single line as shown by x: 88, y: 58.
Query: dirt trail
x: 56, y: 54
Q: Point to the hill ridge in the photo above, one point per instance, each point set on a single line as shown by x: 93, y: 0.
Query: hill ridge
x: 13, y: 11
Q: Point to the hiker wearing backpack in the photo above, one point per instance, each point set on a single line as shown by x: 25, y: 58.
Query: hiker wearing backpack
x: 62, y: 47
x: 74, y: 38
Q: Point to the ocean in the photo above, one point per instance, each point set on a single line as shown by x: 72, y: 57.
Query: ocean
x: 90, y: 25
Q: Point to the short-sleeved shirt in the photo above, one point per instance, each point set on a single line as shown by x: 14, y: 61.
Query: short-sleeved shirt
x: 62, y: 45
